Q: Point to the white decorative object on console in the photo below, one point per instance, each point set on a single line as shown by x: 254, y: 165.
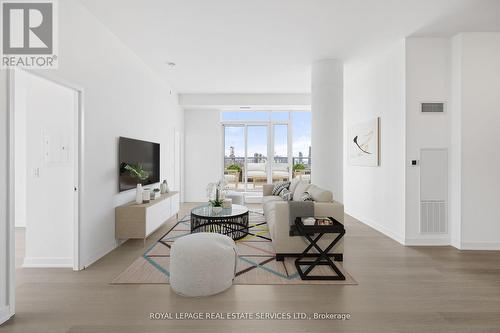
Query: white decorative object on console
x: 146, y: 196
x: 138, y: 194
x: 164, y: 187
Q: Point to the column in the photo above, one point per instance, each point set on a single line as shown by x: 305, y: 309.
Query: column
x: 327, y: 126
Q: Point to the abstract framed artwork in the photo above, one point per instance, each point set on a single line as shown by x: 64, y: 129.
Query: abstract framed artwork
x: 363, y: 143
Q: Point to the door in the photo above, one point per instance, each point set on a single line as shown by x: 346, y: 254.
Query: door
x: 280, y: 166
x: 51, y: 170
x: 257, y: 162
x: 234, y: 156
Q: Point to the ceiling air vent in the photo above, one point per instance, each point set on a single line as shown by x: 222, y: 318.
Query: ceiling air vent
x: 433, y: 107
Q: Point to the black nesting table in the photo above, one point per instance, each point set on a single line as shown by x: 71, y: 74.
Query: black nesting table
x: 313, y: 233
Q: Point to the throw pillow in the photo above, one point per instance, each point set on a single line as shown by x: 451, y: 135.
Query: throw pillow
x: 300, y: 189
x: 293, y: 184
x: 286, y: 195
x: 319, y: 194
x: 280, y: 186
x: 306, y: 196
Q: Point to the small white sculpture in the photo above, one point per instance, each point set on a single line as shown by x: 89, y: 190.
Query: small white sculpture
x: 164, y: 187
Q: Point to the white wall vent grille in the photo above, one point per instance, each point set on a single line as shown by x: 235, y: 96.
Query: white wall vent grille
x: 433, y: 217
x: 432, y: 107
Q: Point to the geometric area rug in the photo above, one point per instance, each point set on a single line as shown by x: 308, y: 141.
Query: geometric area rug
x: 257, y: 263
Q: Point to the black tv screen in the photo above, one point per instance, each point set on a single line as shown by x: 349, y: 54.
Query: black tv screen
x: 139, y: 163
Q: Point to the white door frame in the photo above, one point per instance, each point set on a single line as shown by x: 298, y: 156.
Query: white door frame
x: 79, y: 139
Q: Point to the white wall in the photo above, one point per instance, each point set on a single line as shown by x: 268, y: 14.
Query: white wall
x: 479, y: 71
x: 123, y: 97
x: 427, y: 80
x: 20, y: 156
x: 4, y: 243
x: 203, y: 152
x: 374, y: 86
x: 288, y: 101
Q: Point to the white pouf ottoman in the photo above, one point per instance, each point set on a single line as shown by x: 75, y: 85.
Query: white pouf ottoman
x: 238, y: 198
x: 202, y: 264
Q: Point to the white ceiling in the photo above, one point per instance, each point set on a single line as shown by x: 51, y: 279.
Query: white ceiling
x: 267, y: 46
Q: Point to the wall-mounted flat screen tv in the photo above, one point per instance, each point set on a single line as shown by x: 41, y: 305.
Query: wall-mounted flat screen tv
x: 139, y: 163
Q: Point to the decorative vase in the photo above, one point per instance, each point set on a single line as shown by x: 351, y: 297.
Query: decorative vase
x: 227, y: 203
x: 146, y: 196
x: 164, y: 187
x: 138, y: 194
x: 217, y: 210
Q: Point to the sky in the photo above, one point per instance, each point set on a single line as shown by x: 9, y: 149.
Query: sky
x: 257, y: 134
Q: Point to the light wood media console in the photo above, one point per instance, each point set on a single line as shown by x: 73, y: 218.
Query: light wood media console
x: 140, y: 221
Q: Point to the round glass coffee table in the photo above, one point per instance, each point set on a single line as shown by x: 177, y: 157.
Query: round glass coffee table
x: 232, y: 222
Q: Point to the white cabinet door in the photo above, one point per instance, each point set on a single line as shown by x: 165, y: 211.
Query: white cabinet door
x: 157, y: 215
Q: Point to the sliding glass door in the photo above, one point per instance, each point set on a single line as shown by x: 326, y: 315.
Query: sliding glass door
x: 257, y: 166
x: 246, y: 151
x: 280, y: 166
x: 234, y: 156
x: 258, y: 148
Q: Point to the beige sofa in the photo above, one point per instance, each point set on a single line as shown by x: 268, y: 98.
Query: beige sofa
x: 276, y: 212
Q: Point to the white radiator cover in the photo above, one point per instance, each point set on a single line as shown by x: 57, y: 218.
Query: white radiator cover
x: 433, y: 217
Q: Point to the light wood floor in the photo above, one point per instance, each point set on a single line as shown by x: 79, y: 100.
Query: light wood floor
x: 401, y: 289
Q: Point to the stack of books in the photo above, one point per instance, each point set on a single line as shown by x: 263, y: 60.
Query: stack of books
x: 316, y: 221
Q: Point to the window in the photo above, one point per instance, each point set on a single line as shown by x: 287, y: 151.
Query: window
x: 301, y: 145
x: 259, y: 147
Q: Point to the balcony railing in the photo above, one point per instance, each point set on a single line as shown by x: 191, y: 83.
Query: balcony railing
x: 255, y: 178
x: 240, y: 161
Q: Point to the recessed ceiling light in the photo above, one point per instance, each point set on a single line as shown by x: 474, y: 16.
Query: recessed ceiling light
x: 170, y: 64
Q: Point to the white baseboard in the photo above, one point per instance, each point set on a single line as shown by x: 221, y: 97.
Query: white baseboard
x: 427, y: 241
x: 47, y: 262
x: 86, y: 262
x: 4, y: 314
x: 485, y: 246
x: 456, y: 243
x: 378, y: 227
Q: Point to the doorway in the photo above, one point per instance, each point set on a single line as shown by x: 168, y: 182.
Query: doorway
x: 45, y: 145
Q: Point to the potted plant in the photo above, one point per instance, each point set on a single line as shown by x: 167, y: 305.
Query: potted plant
x: 236, y: 169
x: 298, y: 167
x: 216, y: 195
x: 155, y: 194
x: 216, y: 205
